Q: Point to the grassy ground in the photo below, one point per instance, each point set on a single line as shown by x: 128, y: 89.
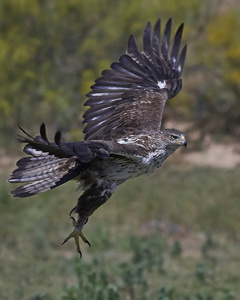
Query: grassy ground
x: 172, y: 236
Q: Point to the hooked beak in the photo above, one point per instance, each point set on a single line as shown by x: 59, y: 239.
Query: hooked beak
x: 184, y: 141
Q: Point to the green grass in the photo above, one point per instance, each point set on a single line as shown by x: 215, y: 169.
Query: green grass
x: 171, y: 236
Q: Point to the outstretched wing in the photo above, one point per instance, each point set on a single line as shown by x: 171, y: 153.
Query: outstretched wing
x: 129, y: 98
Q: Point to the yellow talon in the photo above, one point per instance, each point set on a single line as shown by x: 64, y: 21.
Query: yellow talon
x: 76, y: 234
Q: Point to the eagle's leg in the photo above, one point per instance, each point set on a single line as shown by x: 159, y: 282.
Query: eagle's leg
x: 88, y: 202
x: 76, y: 233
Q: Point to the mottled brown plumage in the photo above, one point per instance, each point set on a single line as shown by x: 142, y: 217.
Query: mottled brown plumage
x: 123, y: 135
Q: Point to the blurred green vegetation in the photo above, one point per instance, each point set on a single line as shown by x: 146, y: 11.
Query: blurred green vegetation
x: 182, y: 243
x: 52, y: 51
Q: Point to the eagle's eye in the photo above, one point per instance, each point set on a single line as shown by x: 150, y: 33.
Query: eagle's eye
x: 174, y: 137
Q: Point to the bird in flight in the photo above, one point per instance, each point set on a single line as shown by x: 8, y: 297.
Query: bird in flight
x: 123, y: 134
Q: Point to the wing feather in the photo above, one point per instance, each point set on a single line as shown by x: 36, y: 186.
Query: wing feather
x: 133, y: 52
x: 147, y: 44
x: 130, y: 97
x: 165, y: 40
x: 181, y: 60
x: 176, y: 46
x: 156, y: 39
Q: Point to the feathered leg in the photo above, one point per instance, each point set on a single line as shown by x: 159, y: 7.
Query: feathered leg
x: 88, y: 202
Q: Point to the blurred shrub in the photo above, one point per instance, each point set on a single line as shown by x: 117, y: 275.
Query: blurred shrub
x: 52, y: 51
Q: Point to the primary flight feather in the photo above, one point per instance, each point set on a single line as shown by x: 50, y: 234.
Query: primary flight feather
x: 123, y: 134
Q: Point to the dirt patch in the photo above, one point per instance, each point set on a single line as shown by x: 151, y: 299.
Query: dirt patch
x: 215, y: 155
x: 219, y: 155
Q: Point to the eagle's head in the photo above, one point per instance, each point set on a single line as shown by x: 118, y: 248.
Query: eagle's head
x: 174, y: 138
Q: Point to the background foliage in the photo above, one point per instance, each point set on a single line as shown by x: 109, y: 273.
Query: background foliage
x: 156, y: 239
x: 52, y: 51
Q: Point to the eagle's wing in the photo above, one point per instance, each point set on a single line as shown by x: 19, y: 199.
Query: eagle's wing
x: 51, y: 164
x: 130, y: 97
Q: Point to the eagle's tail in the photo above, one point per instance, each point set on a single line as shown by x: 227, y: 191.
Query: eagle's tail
x: 49, y: 165
x: 41, y: 174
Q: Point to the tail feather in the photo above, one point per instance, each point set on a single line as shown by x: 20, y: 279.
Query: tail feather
x: 32, y: 188
x: 31, y: 168
x: 35, y: 162
x: 47, y: 166
x: 51, y: 164
x: 41, y: 175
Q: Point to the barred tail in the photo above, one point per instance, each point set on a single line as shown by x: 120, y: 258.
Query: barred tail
x: 48, y: 166
x: 51, y: 164
x: 41, y: 173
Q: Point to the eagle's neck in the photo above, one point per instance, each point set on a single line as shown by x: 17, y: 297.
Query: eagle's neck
x: 155, y: 159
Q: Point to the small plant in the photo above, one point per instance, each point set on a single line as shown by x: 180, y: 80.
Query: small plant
x: 201, y: 296
x: 176, y: 249
x: 165, y: 293
x: 201, y: 272
x: 40, y: 297
x: 229, y: 294
x: 133, y: 279
x: 207, y: 245
x: 149, y: 252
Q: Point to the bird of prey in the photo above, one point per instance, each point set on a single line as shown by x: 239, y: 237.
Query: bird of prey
x: 123, y: 134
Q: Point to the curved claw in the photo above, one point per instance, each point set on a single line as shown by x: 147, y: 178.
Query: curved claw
x: 72, y: 211
x: 76, y: 234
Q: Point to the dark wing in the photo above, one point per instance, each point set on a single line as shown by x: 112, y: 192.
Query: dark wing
x: 130, y: 98
x: 51, y: 164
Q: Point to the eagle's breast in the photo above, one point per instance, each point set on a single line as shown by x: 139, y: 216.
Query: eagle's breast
x: 121, y: 168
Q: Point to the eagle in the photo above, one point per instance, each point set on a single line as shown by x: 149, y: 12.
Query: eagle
x: 123, y: 134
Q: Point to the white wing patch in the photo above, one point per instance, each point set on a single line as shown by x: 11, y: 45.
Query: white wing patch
x: 35, y: 153
x: 131, y: 139
x: 162, y: 84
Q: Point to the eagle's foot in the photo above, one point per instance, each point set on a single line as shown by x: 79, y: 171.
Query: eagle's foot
x: 76, y: 234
